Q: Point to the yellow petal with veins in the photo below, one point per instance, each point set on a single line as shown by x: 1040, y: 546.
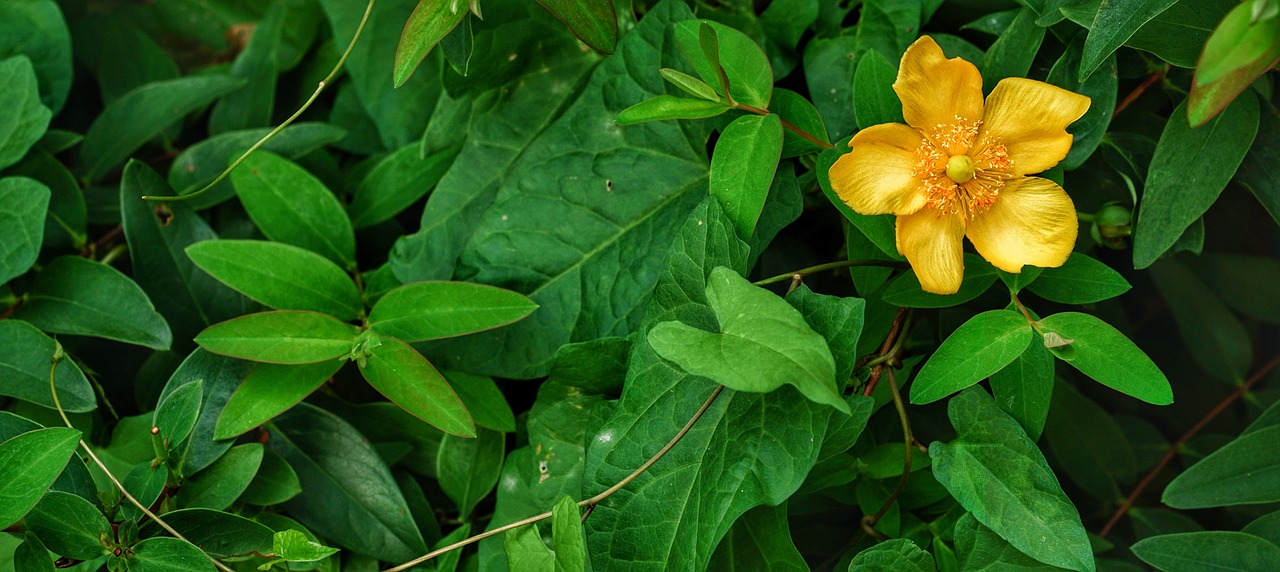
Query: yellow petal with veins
x: 932, y: 244
x: 1033, y: 222
x: 935, y: 90
x: 1031, y: 119
x: 875, y: 177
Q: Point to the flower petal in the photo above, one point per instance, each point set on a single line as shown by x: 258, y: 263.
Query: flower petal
x: 932, y: 244
x: 875, y: 178
x: 1031, y: 118
x: 1033, y: 222
x: 935, y: 90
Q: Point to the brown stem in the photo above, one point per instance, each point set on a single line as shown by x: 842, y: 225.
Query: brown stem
x: 1182, y: 441
x: 102, y: 242
x: 786, y: 125
x: 1138, y: 91
x: 883, y: 356
x: 908, y: 441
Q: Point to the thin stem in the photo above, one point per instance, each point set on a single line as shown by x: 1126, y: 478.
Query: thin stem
x: 786, y: 125
x: 883, y: 356
x: 57, y: 404
x: 1138, y: 91
x: 908, y: 442
x: 116, y: 252
x: 589, y: 504
x: 319, y: 88
x: 828, y: 266
x: 1182, y: 441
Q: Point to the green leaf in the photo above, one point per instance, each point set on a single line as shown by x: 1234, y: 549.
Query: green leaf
x: 666, y: 107
x: 485, y: 401
x: 1080, y: 280
x: 348, y: 494
x: 1208, y: 550
x: 592, y: 21
x: 217, y: 533
x: 1113, y: 25
x: 399, y: 372
x: 1243, y: 471
x: 38, y: 29
x: 23, y: 203
x: 256, y: 64
x: 291, y: 206
x: 977, y: 349
x: 32, y: 556
x: 434, y: 310
x: 1213, y: 335
x: 275, y: 482
x: 830, y: 65
x: 1100, y: 351
x: 70, y: 526
x: 67, y: 217
x: 893, y: 555
x: 1089, y: 445
x: 525, y: 550
x: 72, y: 295
x: 429, y: 23
x: 906, y: 291
x: 269, y: 390
x: 995, y: 472
x: 1013, y: 51
x: 1101, y: 88
x: 567, y: 535
x: 397, y: 182
x: 1024, y: 388
x: 1240, y: 49
x: 749, y: 72
x: 743, y: 165
x: 874, y: 101
x: 145, y: 483
x: 1190, y: 168
x: 23, y: 119
x: 1257, y: 172
x: 689, y: 84
x: 279, y: 276
x: 294, y: 546
x: 839, y: 320
x: 283, y: 337
x: 221, y: 376
x: 798, y: 111
x: 176, y: 414
x: 167, y: 555
x: 759, y: 540
x: 221, y: 483
x: 763, y: 343
x: 980, y: 549
x: 29, y: 463
x: 142, y: 114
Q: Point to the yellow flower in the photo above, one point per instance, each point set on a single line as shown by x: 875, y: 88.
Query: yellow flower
x: 958, y: 168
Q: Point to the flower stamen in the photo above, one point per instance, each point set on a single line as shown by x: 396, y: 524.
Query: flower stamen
x: 960, y: 177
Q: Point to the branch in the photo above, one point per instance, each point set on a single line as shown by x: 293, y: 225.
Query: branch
x: 786, y: 125
x: 829, y: 266
x: 909, y: 441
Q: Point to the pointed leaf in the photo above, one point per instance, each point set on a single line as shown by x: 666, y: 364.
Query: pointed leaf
x: 742, y: 168
x: 429, y: 23
x: 69, y: 525
x: 73, y: 295
x: 269, y: 390
x: 978, y: 348
x: 23, y: 203
x: 29, y: 463
x: 176, y: 414
x: 1244, y: 471
x: 468, y: 467
x: 291, y: 206
x: 434, y: 310
x: 745, y: 65
x: 666, y: 107
x: 1103, y: 353
x: 284, y: 337
x: 23, y: 119
x: 401, y: 373
x: 167, y: 555
x: 1208, y: 550
x: 279, y: 276
x: 1081, y: 280
x: 1113, y: 25
x: 592, y: 21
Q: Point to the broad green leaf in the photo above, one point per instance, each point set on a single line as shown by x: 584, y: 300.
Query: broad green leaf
x: 399, y: 372
x: 429, y: 23
x: 220, y: 534
x: 69, y: 525
x: 252, y: 105
x: 167, y: 555
x: 592, y: 21
x: 1257, y: 172
x: 157, y: 234
x: 567, y: 536
x: 1089, y: 445
x: 977, y: 349
x: 830, y: 65
x: 102, y: 41
x: 275, y: 482
x: 893, y: 555
x: 23, y: 203
x: 1080, y: 280
x: 448, y: 562
x: 433, y: 310
x: 1213, y: 335
x: 269, y: 390
x: 458, y: 46
x: 525, y: 550
x: 67, y: 217
x: 743, y: 165
x: 1266, y: 526
x: 1013, y: 51
x: 348, y: 494
x: 1241, y: 48
x: 689, y: 84
x: 786, y: 21
x: 762, y: 344
x: 906, y: 291
x: 468, y: 467
x: 996, y: 473
x: 291, y: 206
x: 1249, y: 284
x: 1190, y: 168
x: 396, y: 182
x: 142, y: 114
x: 220, y: 376
x: 1244, y: 471
x: 38, y: 29
x: 1176, y: 35
x: 759, y: 540
x: 839, y: 320
x: 889, y: 27
x: 279, y: 276
x: 294, y: 546
x: 72, y: 295
x: 29, y: 463
x: 32, y: 555
x: 874, y: 101
x: 666, y: 107
x: 145, y: 483
x: 748, y: 69
x: 1113, y: 24
x: 798, y: 111
x: 23, y: 119
x: 281, y: 337
x: 485, y: 401
x: 1208, y: 550
x: 980, y: 549
x: 218, y: 485
x: 176, y: 415
x: 1101, y: 88
x: 1101, y: 352
x: 1024, y: 388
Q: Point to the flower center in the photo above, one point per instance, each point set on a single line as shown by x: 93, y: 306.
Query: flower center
x: 962, y: 174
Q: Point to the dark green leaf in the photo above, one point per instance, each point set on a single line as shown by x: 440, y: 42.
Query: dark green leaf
x: 830, y: 64
x: 906, y: 291
x: 1213, y: 335
x: 1089, y: 445
x: 283, y: 337
x: 1081, y: 280
x: 759, y: 540
x: 1258, y: 172
x: 893, y: 555
x: 176, y: 415
x: 485, y: 401
x: 276, y: 482
x: 1087, y: 132
x: 142, y: 114
x: 38, y: 30
x: 839, y: 320
x: 978, y: 348
x: 269, y: 390
x: 145, y: 483
x: 749, y: 73
x: 1100, y: 351
x: 874, y: 101
x: 280, y: 276
x: 29, y: 463
x: 996, y: 473
x: 220, y: 534
x: 1024, y: 388
x: 429, y: 23
x: 396, y: 182
x: 32, y: 556
x: 1244, y: 471
x: 23, y: 203
x: 399, y: 372
x: 23, y: 119
x: 1190, y: 168
x: 980, y: 549
x: 1113, y: 24
x: 167, y: 555
x: 666, y: 107
x: 798, y: 111
x: 67, y: 218
x: 434, y: 310
x: 1208, y: 550
x: 1013, y: 51
x: 72, y: 295
x: 70, y: 526
x: 221, y: 483
x: 221, y: 376
x: 291, y: 206
x: 592, y: 21
x: 742, y: 168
